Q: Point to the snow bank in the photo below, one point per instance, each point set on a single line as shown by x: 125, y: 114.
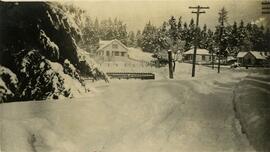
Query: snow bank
x: 129, y: 115
x: 251, y: 101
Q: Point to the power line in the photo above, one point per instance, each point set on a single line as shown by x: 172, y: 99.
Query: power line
x: 199, y: 10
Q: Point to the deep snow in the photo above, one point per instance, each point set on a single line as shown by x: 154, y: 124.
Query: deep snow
x: 184, y: 114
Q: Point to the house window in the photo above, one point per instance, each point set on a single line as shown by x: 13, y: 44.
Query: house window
x: 116, y: 53
x: 107, y: 53
x: 203, y: 57
x: 114, y: 46
x: 122, y: 53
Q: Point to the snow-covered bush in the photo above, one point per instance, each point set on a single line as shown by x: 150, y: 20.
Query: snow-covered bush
x: 44, y: 79
x: 40, y: 46
x: 39, y: 39
x: 38, y: 79
x: 70, y: 70
x: 8, y: 84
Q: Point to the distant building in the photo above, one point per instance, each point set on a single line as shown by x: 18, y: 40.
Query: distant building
x: 202, y: 56
x: 251, y: 58
x: 113, y: 48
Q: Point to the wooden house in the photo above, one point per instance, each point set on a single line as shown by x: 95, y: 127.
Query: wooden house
x: 112, y: 48
x: 251, y: 58
x: 202, y: 56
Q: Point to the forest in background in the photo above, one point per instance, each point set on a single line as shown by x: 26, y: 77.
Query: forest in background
x: 179, y: 36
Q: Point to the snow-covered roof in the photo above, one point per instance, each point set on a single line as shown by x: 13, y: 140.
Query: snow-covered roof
x: 199, y: 52
x: 241, y: 54
x: 258, y: 55
x: 104, y: 44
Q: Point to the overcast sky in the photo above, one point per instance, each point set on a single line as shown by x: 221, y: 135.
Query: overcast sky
x: 137, y: 13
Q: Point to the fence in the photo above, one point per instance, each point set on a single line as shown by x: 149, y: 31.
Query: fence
x: 131, y: 67
x: 123, y: 75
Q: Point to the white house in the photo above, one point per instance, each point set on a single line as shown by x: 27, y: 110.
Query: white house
x: 112, y: 48
x: 202, y: 56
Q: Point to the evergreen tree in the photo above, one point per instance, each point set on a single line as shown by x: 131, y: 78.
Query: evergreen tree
x: 116, y: 29
x: 222, y: 40
x: 186, y: 37
x: 242, y: 37
x: 202, y: 38
x: 148, y: 42
x: 131, y: 39
x: 192, y: 31
x: 246, y: 44
x: 179, y: 28
x: 138, y: 39
x: 233, y: 42
x: 163, y: 40
x: 222, y: 33
x: 258, y: 43
x: 90, y: 35
x: 210, y: 41
x: 173, y: 33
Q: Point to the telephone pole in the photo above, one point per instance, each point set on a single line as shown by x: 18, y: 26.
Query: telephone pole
x: 170, y: 64
x: 197, y: 12
x: 220, y: 39
x: 222, y: 18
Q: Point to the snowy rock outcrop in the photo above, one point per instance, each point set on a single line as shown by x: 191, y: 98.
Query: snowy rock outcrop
x: 39, y: 45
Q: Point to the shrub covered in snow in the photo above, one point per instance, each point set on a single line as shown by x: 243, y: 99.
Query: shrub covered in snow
x: 39, y: 79
x: 8, y: 84
x: 70, y: 70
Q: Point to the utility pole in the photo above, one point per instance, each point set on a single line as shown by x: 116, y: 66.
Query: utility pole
x: 222, y: 18
x: 220, y: 38
x: 212, y: 57
x: 170, y: 64
x: 197, y: 12
x: 266, y: 7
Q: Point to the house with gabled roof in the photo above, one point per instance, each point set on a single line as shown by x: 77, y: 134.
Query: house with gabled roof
x: 112, y: 48
x: 251, y: 58
x: 202, y: 56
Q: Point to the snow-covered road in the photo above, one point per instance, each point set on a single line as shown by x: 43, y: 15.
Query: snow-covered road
x: 130, y: 115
